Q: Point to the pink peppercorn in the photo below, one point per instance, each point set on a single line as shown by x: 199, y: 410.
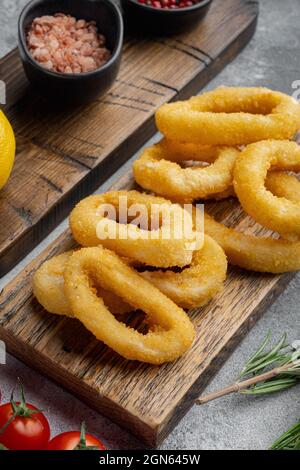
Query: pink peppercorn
x: 169, y: 4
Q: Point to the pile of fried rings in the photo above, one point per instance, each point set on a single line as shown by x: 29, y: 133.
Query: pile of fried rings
x: 240, y: 143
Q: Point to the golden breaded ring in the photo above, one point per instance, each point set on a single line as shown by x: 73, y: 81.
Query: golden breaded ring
x: 195, y: 285
x: 48, y: 288
x: 181, y: 151
x: 278, y: 182
x: 169, y: 244
x: 230, y: 116
x: 252, y: 165
x: 192, y: 287
x: 266, y: 255
x: 172, y: 333
x: 155, y: 172
x: 283, y: 185
x: 223, y: 195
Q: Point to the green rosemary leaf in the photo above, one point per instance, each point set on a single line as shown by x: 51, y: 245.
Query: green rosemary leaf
x: 260, y: 367
x: 292, y: 372
x: 281, y: 345
x: 260, y: 350
x: 271, y: 386
x: 268, y: 358
x: 290, y: 440
x: 267, y: 371
x: 262, y: 359
x: 297, y: 445
x: 265, y: 359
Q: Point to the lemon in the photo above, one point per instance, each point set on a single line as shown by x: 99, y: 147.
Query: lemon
x: 7, y: 149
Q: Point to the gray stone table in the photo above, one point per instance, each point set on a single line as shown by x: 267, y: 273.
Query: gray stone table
x: 236, y: 422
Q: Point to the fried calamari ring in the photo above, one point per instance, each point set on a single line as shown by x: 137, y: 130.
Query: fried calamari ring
x: 195, y: 285
x: 168, y: 244
x: 48, y: 285
x: 172, y: 332
x: 278, y: 182
x: 266, y: 255
x: 283, y: 185
x: 230, y: 116
x: 176, y: 151
x: 154, y: 171
x: 223, y: 195
x: 48, y: 288
x: 252, y: 165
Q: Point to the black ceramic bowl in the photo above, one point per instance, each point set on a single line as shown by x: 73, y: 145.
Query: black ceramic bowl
x: 141, y: 18
x: 77, y: 88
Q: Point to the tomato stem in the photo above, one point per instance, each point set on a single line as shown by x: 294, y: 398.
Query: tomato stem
x: 18, y: 410
x: 22, y: 394
x: 8, y: 422
x: 82, y: 441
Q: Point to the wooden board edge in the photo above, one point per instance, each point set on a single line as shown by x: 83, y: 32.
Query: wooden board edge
x: 224, y: 59
x: 156, y: 434
x: 34, y: 234
x: 151, y: 435
x: 218, y: 361
x: 98, y: 175
x: 42, y: 364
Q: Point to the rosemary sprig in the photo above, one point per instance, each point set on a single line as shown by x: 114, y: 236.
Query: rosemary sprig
x: 267, y: 371
x: 280, y: 356
x: 290, y: 440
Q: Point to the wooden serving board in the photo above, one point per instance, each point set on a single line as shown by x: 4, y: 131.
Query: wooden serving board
x: 147, y: 400
x: 63, y: 156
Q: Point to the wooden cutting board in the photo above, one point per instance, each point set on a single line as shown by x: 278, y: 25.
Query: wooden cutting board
x: 64, y: 156
x: 147, y: 400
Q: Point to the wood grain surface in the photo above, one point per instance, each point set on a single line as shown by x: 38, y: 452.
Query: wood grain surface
x: 147, y: 400
x: 63, y: 156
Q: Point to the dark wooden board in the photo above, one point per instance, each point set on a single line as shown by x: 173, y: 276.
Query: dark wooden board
x: 147, y: 400
x: 64, y: 156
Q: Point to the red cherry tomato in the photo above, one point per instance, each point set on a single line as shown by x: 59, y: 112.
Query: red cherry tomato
x: 28, y: 430
x: 75, y: 440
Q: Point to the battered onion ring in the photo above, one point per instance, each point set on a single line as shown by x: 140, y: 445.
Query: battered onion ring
x: 172, y: 333
x: 48, y: 288
x: 195, y: 285
x: 266, y: 255
x: 154, y: 171
x: 161, y: 247
x: 276, y: 213
x: 230, y: 116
